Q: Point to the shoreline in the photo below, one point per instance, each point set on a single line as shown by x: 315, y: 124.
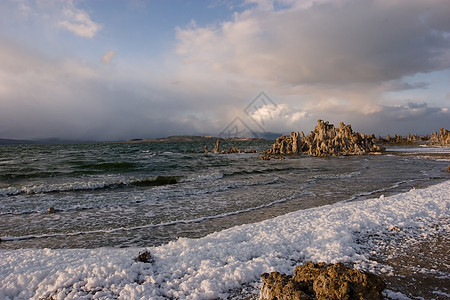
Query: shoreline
x: 231, y: 261
x: 403, y: 237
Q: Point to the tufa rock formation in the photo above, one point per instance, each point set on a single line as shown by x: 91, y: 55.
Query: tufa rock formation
x: 325, y: 140
x: 286, y: 145
x: 237, y: 150
x: 233, y: 149
x: 322, y: 281
x: 441, y: 138
x: 217, y: 147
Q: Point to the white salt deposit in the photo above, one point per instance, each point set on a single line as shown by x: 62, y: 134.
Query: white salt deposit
x: 222, y: 263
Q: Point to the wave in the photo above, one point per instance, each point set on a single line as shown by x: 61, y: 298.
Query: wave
x: 109, y: 166
x: 160, y: 180
x: 204, y: 177
x: 77, y: 170
x: 162, y: 224
x: 224, y: 186
x: 217, y: 175
x: 336, y: 176
x: 88, y: 185
x: 25, y: 174
x: 186, y: 191
x: 363, y: 194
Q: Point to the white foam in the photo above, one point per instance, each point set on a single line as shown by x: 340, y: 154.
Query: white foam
x: 395, y: 295
x: 57, y: 187
x: 213, y: 266
x: 93, y: 184
x: 420, y: 149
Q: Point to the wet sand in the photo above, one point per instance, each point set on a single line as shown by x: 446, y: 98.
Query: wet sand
x: 419, y: 262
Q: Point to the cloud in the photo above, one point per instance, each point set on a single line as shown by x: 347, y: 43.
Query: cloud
x: 107, y: 57
x: 79, y: 22
x: 332, y: 59
x: 43, y: 15
x: 71, y: 99
x: 397, y: 85
x: 406, y: 118
x: 333, y: 42
x: 279, y: 117
x: 351, y: 61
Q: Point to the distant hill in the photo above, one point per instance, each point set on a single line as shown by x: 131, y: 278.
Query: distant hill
x: 16, y: 142
x: 175, y: 138
x: 270, y: 135
x: 50, y: 141
x: 188, y: 138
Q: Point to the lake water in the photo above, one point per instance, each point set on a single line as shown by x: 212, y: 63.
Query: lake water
x: 147, y: 194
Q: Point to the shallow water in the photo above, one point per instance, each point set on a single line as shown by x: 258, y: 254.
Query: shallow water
x: 147, y: 194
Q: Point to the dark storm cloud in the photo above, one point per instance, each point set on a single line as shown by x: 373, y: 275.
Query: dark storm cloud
x: 403, y: 119
x: 67, y: 99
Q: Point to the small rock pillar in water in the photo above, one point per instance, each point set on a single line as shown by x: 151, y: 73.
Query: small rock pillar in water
x: 217, y: 147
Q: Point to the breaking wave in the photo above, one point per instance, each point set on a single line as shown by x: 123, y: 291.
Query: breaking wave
x: 89, y: 185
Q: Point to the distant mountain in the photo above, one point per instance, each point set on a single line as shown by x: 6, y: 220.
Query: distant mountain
x: 186, y: 138
x: 270, y: 135
x: 50, y: 141
x: 195, y: 138
x: 57, y: 141
x: 16, y: 142
x: 175, y: 138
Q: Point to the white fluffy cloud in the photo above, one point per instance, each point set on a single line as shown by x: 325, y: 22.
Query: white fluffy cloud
x: 78, y: 22
x: 336, y: 42
x: 59, y: 14
x: 279, y: 117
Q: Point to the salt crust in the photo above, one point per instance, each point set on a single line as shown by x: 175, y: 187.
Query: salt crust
x: 213, y: 266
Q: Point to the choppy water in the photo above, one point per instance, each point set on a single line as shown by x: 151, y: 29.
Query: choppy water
x: 146, y: 194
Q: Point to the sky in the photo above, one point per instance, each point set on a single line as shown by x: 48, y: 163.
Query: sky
x: 117, y: 70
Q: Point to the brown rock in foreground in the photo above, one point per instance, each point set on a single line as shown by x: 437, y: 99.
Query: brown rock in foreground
x: 325, y: 140
x: 322, y: 281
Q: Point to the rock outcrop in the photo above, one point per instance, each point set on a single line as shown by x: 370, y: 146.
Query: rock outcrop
x: 217, y: 147
x: 325, y: 140
x: 441, y: 138
x: 145, y: 257
x: 233, y: 149
x: 286, y: 145
x: 322, y: 281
